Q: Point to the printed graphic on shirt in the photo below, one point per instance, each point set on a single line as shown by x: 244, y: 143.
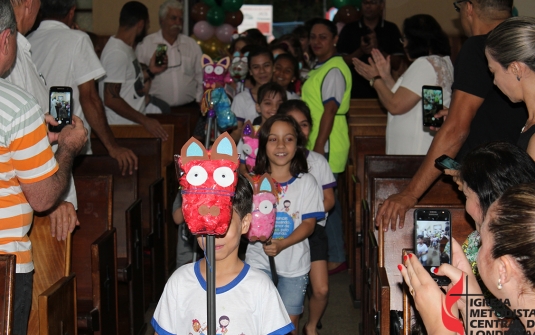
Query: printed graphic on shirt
x: 222, y: 329
x: 284, y: 224
x: 138, y: 86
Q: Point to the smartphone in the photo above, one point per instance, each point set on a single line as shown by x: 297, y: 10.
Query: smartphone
x: 60, y: 107
x: 446, y: 162
x: 432, y: 104
x: 161, y: 51
x: 432, y: 236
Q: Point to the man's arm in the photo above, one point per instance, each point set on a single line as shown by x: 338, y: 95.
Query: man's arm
x: 449, y: 141
x: 44, y: 194
x: 94, y: 113
x: 113, y: 100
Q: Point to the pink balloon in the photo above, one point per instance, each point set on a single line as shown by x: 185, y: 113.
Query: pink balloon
x: 224, y: 32
x: 203, y: 30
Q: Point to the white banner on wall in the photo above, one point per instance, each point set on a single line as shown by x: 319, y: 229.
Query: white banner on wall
x: 257, y: 16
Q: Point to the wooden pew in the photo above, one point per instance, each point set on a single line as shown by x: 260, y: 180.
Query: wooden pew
x: 193, y: 112
x: 361, y: 147
x: 132, y: 319
x: 149, y: 154
x: 94, y: 256
x: 388, y: 175
x: 171, y: 229
x: 53, y: 284
x: 129, y: 248
x: 182, y: 131
x: 7, y: 285
x: 157, y: 240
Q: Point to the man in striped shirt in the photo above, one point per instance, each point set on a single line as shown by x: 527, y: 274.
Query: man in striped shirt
x: 31, y: 176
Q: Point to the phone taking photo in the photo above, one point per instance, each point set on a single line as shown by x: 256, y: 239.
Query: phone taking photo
x: 161, y: 51
x: 446, y: 162
x: 432, y: 103
x: 432, y: 236
x: 60, y: 107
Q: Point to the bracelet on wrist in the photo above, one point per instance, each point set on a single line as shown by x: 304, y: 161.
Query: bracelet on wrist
x: 151, y: 75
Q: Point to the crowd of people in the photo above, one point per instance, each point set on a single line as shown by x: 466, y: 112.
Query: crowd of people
x: 296, y: 97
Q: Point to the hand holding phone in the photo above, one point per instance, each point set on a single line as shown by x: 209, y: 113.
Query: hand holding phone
x: 447, y: 163
x: 60, y: 107
x: 161, y: 52
x: 432, y: 237
x: 432, y: 103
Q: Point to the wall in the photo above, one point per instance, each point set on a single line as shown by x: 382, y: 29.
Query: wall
x: 442, y: 11
x: 106, y: 15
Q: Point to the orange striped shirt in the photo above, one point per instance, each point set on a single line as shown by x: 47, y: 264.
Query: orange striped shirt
x: 25, y: 157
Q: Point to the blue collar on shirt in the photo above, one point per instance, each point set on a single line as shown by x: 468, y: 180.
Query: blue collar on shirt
x: 223, y: 289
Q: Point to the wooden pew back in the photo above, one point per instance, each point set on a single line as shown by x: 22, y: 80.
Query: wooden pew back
x: 51, y: 263
x: 125, y: 190
x: 7, y: 286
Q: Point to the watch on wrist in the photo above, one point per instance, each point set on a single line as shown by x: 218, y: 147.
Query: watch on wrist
x: 372, y: 81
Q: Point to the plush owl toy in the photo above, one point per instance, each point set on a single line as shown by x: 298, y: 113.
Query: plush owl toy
x: 264, y: 208
x: 208, y: 184
x: 239, y: 69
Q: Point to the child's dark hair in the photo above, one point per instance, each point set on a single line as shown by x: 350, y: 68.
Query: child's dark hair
x: 245, y: 39
x: 270, y: 89
x: 290, y: 105
x: 299, y: 162
x: 254, y: 52
x: 295, y: 63
x: 243, y: 197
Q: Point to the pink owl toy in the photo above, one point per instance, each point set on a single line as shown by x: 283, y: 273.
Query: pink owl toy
x: 250, y: 144
x: 215, y: 74
x: 264, y: 208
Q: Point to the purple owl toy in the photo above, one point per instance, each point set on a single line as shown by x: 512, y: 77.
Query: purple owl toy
x: 250, y: 144
x: 215, y: 74
x: 264, y: 208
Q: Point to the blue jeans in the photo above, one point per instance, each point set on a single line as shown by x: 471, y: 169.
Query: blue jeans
x: 22, y: 302
x: 335, y: 232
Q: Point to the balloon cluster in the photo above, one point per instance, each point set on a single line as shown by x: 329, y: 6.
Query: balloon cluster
x: 216, y: 18
x: 347, y: 10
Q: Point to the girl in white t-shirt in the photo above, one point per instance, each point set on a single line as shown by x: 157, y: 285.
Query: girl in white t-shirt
x: 286, y: 74
x: 260, y: 63
x: 320, y: 169
x: 281, y: 153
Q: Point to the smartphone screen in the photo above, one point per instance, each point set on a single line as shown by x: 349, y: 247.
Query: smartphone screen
x: 60, y: 106
x: 446, y: 162
x: 432, y: 104
x: 432, y: 236
x: 161, y: 51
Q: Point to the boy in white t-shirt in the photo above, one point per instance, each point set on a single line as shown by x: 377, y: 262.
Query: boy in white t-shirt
x: 247, y: 302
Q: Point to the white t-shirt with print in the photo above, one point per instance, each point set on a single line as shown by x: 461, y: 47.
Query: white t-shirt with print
x: 122, y: 67
x: 299, y: 199
x: 244, y: 106
x: 318, y: 166
x: 250, y: 304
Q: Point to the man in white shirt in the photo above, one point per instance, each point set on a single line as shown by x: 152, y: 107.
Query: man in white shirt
x: 122, y: 87
x: 66, y: 57
x: 182, y: 82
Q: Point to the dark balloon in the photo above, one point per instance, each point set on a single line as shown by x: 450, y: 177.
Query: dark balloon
x: 199, y: 11
x: 232, y: 5
x: 215, y: 16
x: 234, y: 18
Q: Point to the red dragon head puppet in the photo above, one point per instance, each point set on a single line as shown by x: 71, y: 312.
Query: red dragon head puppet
x: 208, y: 184
x: 264, y: 208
